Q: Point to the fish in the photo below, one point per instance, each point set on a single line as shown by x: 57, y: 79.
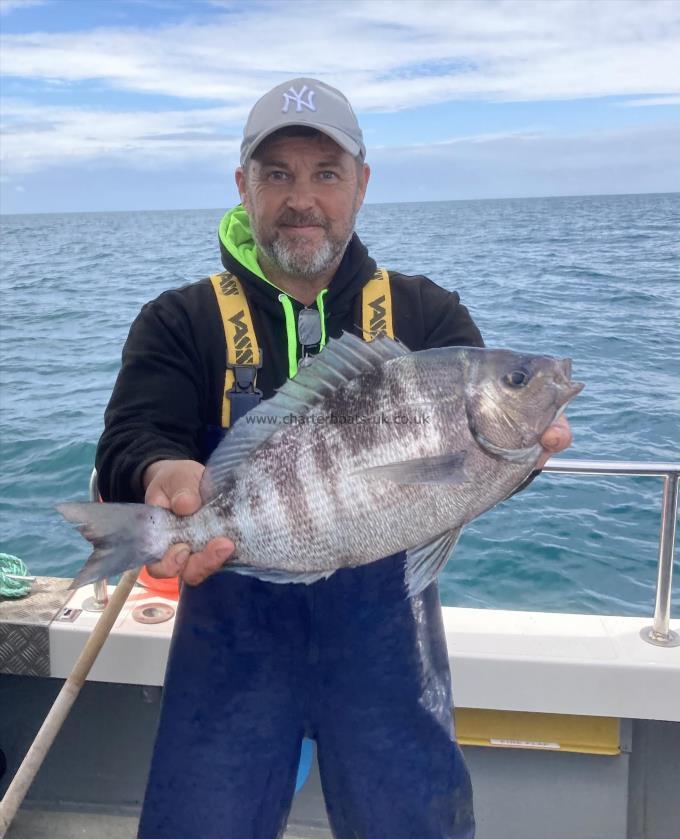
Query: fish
x: 371, y: 450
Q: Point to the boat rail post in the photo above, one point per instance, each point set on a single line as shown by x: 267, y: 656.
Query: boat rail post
x: 660, y: 633
x: 101, y: 588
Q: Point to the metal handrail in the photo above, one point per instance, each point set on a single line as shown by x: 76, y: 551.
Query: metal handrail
x: 611, y: 467
x: 659, y: 633
x: 99, y: 601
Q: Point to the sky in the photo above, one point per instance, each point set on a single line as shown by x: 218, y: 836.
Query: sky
x: 140, y: 104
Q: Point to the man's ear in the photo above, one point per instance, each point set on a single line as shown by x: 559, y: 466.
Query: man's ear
x: 240, y: 177
x: 364, y: 176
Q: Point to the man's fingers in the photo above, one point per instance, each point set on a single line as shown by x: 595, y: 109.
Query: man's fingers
x: 184, y: 502
x: 174, y: 484
x: 156, y: 496
x: 193, y: 568
x: 554, y: 440
x: 172, y: 564
x: 201, y: 565
x: 557, y: 436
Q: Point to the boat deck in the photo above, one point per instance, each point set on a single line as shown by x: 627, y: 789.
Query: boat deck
x: 53, y: 824
x: 547, y: 703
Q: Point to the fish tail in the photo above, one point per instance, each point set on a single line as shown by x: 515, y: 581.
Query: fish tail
x: 123, y: 536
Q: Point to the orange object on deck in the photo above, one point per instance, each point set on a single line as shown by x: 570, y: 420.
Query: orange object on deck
x: 167, y: 586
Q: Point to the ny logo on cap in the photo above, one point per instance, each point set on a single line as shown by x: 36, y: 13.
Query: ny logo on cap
x: 293, y: 96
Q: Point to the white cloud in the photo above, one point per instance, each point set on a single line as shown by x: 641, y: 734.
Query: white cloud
x: 386, y: 55
x: 39, y: 136
x: 7, y: 6
x: 651, y: 100
x: 520, y: 164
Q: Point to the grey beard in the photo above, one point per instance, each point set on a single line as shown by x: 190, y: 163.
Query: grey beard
x: 304, y: 265
x: 295, y: 263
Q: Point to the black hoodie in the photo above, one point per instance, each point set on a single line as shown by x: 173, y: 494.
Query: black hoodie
x: 171, y: 382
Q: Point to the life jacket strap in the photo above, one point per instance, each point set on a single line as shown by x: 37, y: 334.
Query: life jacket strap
x: 243, y: 353
x: 376, y: 307
x: 244, y: 357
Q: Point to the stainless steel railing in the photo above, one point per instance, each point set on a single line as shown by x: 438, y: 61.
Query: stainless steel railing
x: 101, y: 587
x: 659, y: 633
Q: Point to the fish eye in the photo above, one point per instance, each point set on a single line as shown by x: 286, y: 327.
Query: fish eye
x: 518, y: 378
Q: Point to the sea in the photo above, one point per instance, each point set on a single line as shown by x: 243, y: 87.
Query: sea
x: 595, y: 278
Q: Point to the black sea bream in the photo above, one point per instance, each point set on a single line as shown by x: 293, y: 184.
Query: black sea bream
x: 370, y: 450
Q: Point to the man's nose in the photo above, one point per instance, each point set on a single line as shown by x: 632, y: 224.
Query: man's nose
x: 301, y: 196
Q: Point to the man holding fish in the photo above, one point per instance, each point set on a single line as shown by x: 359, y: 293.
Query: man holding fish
x: 314, y: 634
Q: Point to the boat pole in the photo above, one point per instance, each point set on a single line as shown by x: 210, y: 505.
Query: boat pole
x: 63, y: 703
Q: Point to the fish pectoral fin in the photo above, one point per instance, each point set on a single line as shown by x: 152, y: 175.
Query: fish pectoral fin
x: 441, y: 469
x: 425, y: 562
x: 275, y: 575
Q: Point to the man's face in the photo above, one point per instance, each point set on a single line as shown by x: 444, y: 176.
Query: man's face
x: 302, y: 195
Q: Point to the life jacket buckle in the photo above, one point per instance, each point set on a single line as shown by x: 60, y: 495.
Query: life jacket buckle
x: 243, y: 396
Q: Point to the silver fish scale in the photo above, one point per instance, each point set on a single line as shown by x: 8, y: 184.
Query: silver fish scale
x: 301, y: 504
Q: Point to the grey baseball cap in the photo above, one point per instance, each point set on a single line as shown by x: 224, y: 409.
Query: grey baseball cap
x: 306, y: 102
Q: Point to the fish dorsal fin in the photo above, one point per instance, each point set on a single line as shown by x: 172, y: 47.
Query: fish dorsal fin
x: 340, y: 361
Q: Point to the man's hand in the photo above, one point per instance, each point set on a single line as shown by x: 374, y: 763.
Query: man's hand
x: 556, y: 438
x: 173, y: 484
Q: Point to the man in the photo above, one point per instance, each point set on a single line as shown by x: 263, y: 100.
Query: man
x: 255, y: 666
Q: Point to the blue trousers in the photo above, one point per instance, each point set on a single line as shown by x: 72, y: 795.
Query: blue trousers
x: 349, y: 661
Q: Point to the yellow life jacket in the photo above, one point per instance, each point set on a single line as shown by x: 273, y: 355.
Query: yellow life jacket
x: 243, y: 352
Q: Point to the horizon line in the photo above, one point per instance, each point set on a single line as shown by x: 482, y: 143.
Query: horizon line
x: 366, y: 204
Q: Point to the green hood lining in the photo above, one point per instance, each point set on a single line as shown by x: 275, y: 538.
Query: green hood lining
x: 235, y: 235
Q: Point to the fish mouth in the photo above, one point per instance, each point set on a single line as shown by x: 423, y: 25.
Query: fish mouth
x: 565, y: 388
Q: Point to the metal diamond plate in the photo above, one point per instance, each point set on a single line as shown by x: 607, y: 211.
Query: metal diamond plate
x: 24, y: 649
x: 24, y: 625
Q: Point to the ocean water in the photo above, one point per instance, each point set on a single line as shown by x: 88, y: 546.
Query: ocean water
x: 594, y: 278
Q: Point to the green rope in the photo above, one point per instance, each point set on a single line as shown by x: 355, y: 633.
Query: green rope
x: 10, y: 568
